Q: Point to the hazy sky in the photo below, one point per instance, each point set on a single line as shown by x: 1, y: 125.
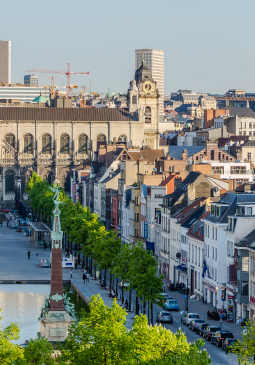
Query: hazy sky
x: 208, y: 45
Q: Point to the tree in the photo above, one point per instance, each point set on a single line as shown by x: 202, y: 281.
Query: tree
x: 38, y: 352
x: 9, y: 352
x: 100, y: 338
x: 245, y: 349
x: 143, y: 270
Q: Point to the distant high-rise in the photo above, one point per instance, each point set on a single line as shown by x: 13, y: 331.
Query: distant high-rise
x: 31, y: 80
x: 154, y: 60
x: 5, y: 62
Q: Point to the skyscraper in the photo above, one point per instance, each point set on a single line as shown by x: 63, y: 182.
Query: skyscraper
x: 5, y: 61
x: 154, y: 60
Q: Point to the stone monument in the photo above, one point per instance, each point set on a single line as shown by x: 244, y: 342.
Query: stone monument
x: 57, y: 313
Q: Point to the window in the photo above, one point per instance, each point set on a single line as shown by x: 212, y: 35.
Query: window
x: 134, y: 99
x: 213, y: 233
x: 215, y: 254
x: 122, y: 138
x: 216, y: 234
x: 137, y: 217
x: 215, y: 274
x: 198, y: 256
x: 212, y: 209
x: 195, y: 254
x: 147, y: 114
x: 230, y: 248
x: 249, y: 211
x: 10, y: 139
x: 83, y: 143
x: 218, y: 211
x: 101, y: 138
x: 157, y: 212
x: 28, y: 144
x: 245, y: 263
x: 217, y: 170
x: 212, y: 253
x: 9, y: 181
x: 244, y: 288
x: 212, y: 276
x: 205, y: 229
x: 64, y: 144
x: 238, y: 170
x: 46, y: 144
x: 208, y: 232
x: 249, y: 156
x: 208, y: 251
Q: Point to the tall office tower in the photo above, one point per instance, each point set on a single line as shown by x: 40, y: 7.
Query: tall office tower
x: 31, y: 80
x: 154, y: 60
x: 5, y: 61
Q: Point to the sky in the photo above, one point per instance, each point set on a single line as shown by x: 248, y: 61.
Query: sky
x: 208, y: 45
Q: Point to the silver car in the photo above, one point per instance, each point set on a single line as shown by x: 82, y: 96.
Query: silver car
x: 188, y: 317
x: 164, y: 317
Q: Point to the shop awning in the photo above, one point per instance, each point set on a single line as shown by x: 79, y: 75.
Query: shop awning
x: 181, y: 267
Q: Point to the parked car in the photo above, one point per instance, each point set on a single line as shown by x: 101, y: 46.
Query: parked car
x: 164, y: 297
x: 164, y: 317
x: 227, y: 343
x: 209, y: 331
x: 187, y: 318
x: 220, y: 336
x: 171, y: 304
x: 195, y: 323
x: 201, y: 328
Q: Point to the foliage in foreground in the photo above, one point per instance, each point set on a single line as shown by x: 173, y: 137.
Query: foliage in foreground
x: 102, y: 338
x: 245, y: 349
x: 8, y: 351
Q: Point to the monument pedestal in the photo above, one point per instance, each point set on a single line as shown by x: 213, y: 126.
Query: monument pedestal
x: 54, y: 326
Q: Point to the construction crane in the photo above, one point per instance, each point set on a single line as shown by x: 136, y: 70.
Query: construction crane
x: 67, y: 73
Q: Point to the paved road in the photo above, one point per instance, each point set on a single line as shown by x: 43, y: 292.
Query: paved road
x: 15, y: 266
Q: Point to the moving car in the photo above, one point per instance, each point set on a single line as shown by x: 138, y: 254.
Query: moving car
x: 209, y: 331
x: 164, y: 317
x: 201, y: 328
x: 195, y: 323
x: 220, y: 336
x: 171, y: 304
x: 188, y: 317
x: 227, y: 343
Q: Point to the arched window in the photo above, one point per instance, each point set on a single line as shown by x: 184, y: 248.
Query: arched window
x: 28, y: 144
x: 83, y: 142
x: 101, y: 138
x: 65, y: 181
x: 147, y: 114
x: 122, y: 138
x: 9, y: 180
x: 46, y: 144
x: 47, y: 177
x: 64, y: 144
x: 134, y: 99
x: 10, y: 139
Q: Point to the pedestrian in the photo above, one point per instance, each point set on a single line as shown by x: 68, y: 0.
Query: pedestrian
x: 44, y: 245
x: 71, y: 273
x: 76, y: 264
x: 28, y: 255
x: 84, y: 276
x: 83, y: 263
x: 87, y: 278
x: 37, y: 252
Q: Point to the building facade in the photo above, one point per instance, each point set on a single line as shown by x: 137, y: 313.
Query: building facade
x: 154, y: 61
x: 5, y: 62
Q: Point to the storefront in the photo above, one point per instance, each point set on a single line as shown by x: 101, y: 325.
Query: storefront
x: 210, y: 293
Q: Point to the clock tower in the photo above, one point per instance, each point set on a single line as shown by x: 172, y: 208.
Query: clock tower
x: 143, y: 99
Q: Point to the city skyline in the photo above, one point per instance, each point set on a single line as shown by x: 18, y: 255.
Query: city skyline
x: 201, y: 55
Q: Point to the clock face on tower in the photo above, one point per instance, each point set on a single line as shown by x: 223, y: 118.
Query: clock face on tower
x: 148, y: 87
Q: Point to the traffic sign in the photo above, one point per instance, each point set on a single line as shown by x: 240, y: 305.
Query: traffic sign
x: 185, y: 296
x: 164, y: 280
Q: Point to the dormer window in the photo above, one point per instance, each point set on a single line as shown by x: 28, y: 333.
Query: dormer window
x: 231, y: 224
x: 249, y: 211
x: 212, y: 209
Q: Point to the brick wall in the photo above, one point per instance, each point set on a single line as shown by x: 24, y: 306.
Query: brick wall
x: 210, y: 114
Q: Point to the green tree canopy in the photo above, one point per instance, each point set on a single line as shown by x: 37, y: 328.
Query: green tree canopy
x: 9, y: 352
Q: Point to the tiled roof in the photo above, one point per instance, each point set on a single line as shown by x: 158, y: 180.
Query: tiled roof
x: 66, y: 114
x: 184, y: 212
x: 167, y: 180
x: 146, y: 154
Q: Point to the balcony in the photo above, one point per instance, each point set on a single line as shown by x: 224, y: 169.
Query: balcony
x: 7, y: 161
x: 64, y: 161
x: 45, y: 161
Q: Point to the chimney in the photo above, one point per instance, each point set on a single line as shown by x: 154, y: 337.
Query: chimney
x: 184, y: 155
x: 247, y: 188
